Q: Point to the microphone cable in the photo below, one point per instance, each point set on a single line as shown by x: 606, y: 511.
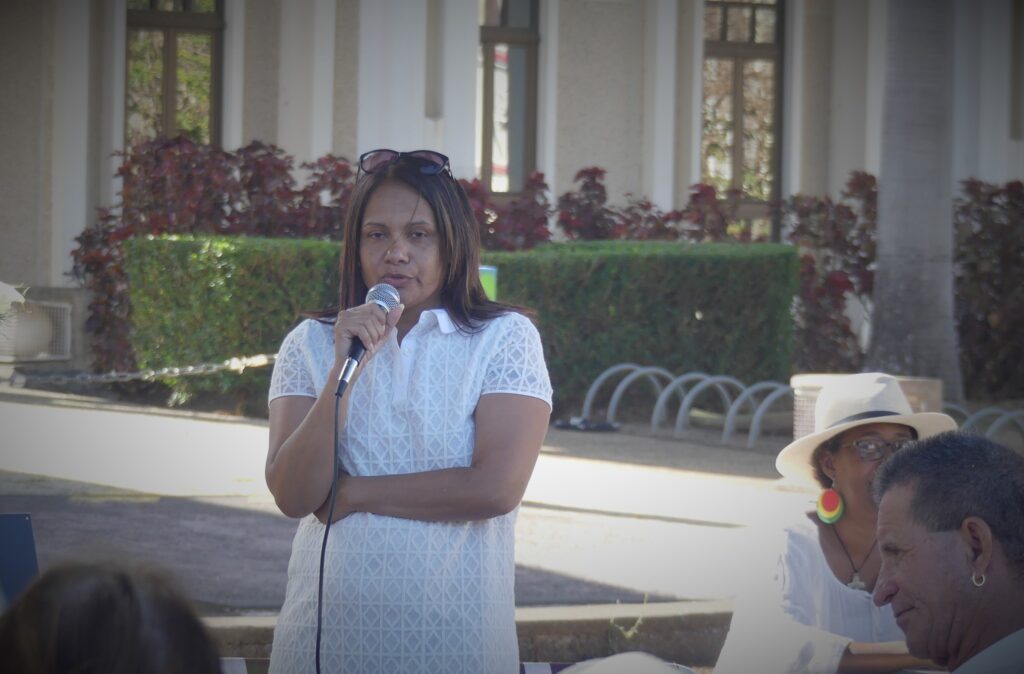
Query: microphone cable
x: 387, y: 298
x: 327, y: 527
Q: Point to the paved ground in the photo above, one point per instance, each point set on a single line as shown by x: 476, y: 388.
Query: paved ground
x: 608, y: 517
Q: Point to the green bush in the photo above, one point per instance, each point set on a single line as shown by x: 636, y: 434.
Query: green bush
x: 720, y: 308
x: 207, y: 299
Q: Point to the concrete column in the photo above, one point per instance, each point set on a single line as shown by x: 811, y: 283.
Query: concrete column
x: 1000, y: 157
x: 689, y: 97
x: 112, y: 119
x: 848, y: 93
x: 792, y: 98
x: 392, y: 82
x: 233, y: 74
x: 70, y: 203
x: 660, y: 102
x: 547, y: 98
x: 875, y: 97
x: 815, y: 79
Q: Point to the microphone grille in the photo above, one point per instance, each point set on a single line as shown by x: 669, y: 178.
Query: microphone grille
x: 384, y: 295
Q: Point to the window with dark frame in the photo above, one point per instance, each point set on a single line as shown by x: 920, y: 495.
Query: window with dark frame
x: 506, y: 116
x: 174, y: 51
x: 741, y: 116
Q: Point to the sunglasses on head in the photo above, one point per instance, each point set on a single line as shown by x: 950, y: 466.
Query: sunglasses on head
x: 428, y: 162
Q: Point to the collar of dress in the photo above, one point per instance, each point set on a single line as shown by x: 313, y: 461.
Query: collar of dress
x: 441, y: 318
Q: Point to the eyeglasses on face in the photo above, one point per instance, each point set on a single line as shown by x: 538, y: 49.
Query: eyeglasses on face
x: 870, y: 449
x: 428, y: 162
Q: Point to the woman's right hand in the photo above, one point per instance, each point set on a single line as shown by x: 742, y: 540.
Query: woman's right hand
x: 368, y: 323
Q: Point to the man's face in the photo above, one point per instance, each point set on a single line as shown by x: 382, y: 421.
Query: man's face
x: 925, y: 576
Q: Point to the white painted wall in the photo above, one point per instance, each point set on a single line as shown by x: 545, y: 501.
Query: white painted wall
x: 460, y: 43
x: 601, y: 92
x: 305, y: 106
x: 392, y: 83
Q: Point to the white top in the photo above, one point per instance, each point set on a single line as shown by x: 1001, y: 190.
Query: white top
x: 796, y: 616
x: 1005, y: 656
x: 404, y: 595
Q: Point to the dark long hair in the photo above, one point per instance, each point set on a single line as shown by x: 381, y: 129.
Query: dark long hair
x: 97, y: 618
x: 462, y: 293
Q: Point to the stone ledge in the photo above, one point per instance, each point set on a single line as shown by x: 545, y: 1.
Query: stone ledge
x: 690, y: 633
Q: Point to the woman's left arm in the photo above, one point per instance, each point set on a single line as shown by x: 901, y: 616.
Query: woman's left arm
x: 510, y: 429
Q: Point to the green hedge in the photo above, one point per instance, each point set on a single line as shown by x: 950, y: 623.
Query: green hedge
x: 716, y: 308
x: 719, y: 308
x: 206, y: 299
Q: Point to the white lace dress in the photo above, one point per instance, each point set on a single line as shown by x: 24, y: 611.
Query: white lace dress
x: 404, y: 595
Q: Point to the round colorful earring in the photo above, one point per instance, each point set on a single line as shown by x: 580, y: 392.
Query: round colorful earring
x: 830, y: 505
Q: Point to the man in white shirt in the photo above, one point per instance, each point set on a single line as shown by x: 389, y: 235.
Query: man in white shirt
x: 951, y: 536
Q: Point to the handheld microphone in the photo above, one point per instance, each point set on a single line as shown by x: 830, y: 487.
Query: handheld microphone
x: 385, y: 296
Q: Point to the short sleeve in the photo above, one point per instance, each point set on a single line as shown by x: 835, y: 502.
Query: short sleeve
x: 292, y: 374
x: 517, y: 360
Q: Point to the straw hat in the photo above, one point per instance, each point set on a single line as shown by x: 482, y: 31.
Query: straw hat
x: 856, y: 400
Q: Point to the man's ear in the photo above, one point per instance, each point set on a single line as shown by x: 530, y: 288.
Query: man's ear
x: 977, y: 536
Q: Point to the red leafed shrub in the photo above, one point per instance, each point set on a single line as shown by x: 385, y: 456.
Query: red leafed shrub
x: 584, y: 213
x: 643, y: 221
x: 836, y: 241
x: 709, y: 216
x: 517, y: 224
x: 175, y: 186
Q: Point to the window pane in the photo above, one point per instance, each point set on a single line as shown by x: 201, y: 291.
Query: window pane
x: 758, y: 128
x: 168, y: 5
x: 764, y: 26
x: 144, y: 86
x: 738, y: 29
x: 138, y: 4
x: 206, y: 6
x: 713, y: 23
x: 507, y: 13
x: 194, y: 85
x: 717, y: 136
x: 509, y: 134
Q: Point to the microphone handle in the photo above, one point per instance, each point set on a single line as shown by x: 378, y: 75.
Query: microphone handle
x: 355, y: 354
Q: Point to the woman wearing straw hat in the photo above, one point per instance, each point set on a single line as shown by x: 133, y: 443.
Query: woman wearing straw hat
x: 811, y: 611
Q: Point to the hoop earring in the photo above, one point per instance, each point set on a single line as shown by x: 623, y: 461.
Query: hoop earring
x: 830, y: 505
x: 978, y: 583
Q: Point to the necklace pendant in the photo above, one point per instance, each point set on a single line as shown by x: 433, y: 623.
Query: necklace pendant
x: 856, y: 583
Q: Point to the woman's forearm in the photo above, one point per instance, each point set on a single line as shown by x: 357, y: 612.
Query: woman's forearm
x: 509, y: 432
x: 447, y: 495
x: 299, y: 471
